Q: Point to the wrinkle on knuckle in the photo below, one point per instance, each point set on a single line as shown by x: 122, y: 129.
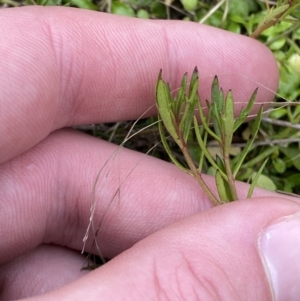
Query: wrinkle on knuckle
x: 66, y: 51
x: 184, y: 280
x: 160, y: 291
x: 208, y: 284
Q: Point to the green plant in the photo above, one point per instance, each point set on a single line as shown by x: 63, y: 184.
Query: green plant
x: 281, y: 12
x: 177, y: 115
x: 220, y: 112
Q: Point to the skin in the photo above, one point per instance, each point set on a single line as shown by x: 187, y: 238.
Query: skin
x: 61, y: 67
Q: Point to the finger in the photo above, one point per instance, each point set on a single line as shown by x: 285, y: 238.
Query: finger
x: 44, y: 269
x: 64, y: 66
x: 219, y: 254
x: 46, y: 196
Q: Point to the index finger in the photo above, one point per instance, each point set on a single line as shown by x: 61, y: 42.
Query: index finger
x: 64, y: 66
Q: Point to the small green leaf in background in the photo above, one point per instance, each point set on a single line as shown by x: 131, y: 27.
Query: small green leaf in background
x: 289, y: 83
x: 279, y: 165
x: 120, y: 8
x: 158, y: 9
x: 294, y: 62
x: 265, y: 182
x: 278, y: 113
x: 189, y: 5
x: 242, y: 8
x: 85, y: 4
x: 234, y: 27
x: 292, y: 182
x: 293, y: 155
x: 142, y: 14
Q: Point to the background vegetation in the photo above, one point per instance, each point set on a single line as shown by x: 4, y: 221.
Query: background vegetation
x: 279, y: 134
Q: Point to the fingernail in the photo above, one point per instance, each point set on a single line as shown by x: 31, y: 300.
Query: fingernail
x: 279, y: 246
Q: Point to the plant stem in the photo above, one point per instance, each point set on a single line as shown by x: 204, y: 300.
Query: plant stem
x: 267, y: 24
x: 230, y: 176
x: 197, y: 174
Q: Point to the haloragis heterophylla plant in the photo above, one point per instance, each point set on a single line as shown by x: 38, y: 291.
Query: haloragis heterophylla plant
x: 178, y: 116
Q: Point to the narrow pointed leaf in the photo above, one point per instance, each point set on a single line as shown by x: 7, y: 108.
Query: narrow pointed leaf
x: 249, y: 143
x: 255, y: 179
x: 215, y: 90
x: 163, y: 101
x: 220, y: 103
x: 275, y: 13
x: 204, y: 148
x: 290, y: 11
x: 168, y: 150
x: 205, y: 124
x: 228, y: 121
x: 180, y: 98
x: 220, y: 164
x: 217, y: 100
x: 223, y: 188
x: 205, y: 128
x: 194, y: 80
x: 189, y: 110
x: 245, y: 112
x: 202, y: 156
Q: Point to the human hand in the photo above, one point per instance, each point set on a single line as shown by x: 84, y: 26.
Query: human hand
x: 62, y: 67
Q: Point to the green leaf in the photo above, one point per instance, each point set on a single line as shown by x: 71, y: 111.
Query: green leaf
x: 289, y: 82
x: 220, y: 164
x: 86, y: 4
x: 158, y: 9
x: 279, y: 165
x: 215, y: 89
x: 211, y: 171
x: 241, y: 8
x: 228, y: 121
x: 278, y: 113
x: 265, y: 182
x: 168, y: 150
x: 204, y: 148
x: 223, y: 188
x: 189, y: 5
x: 291, y: 9
x: 180, y: 98
x: 142, y: 14
x: 202, y: 156
x: 294, y: 180
x: 217, y: 97
x: 191, y: 102
x: 163, y: 102
x: 249, y: 143
x: 266, y: 153
x: 204, y: 120
x: 273, y: 14
x: 194, y: 83
x: 293, y: 155
x: 120, y: 8
x: 216, y: 105
x: 255, y: 179
x: 245, y: 112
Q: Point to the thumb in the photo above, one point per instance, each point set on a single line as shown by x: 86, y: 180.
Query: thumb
x: 247, y: 250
